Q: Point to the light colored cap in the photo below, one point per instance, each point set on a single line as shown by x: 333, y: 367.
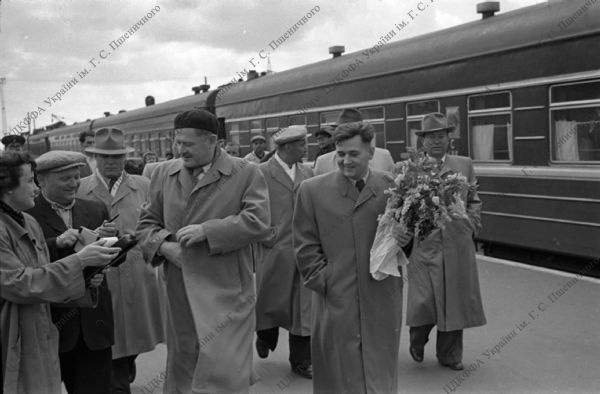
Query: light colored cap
x: 290, y: 134
x: 59, y: 160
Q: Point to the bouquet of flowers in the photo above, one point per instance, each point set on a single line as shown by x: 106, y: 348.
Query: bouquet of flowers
x: 423, y: 200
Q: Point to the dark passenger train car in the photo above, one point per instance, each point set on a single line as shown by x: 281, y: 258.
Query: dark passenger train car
x: 522, y: 89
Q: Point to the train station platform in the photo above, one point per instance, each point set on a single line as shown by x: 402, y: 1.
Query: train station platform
x: 542, y: 336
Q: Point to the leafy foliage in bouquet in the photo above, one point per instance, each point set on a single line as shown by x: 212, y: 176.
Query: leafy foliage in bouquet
x: 424, y: 198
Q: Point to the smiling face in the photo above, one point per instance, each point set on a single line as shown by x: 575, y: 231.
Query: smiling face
x: 60, y: 186
x: 23, y: 196
x: 197, y: 149
x: 436, y: 143
x: 353, y: 157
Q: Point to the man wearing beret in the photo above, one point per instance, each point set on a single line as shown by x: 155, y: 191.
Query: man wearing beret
x: 259, y: 144
x: 204, y: 211
x: 13, y: 142
x: 356, y: 319
x: 135, y: 293
x: 446, y: 293
x: 283, y: 300
x: 380, y: 161
x: 86, y: 334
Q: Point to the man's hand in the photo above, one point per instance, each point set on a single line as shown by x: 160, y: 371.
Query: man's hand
x: 107, y: 229
x: 190, y: 234
x: 401, y: 237
x: 172, y: 252
x: 68, y: 238
x: 96, y: 280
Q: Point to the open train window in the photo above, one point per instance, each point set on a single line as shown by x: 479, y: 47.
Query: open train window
x: 575, y: 122
x: 490, y: 126
x: 414, y: 117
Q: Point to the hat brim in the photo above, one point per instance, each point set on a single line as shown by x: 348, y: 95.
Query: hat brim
x: 423, y: 132
x: 110, y: 151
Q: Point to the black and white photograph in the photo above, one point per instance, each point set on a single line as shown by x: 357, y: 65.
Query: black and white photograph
x: 335, y: 197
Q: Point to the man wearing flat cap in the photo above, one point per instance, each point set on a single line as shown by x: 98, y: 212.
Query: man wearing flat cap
x: 446, y: 294
x: 258, y: 144
x: 86, y: 334
x: 135, y: 294
x: 325, y: 140
x: 283, y: 300
x: 13, y: 142
x: 204, y: 212
x: 381, y: 160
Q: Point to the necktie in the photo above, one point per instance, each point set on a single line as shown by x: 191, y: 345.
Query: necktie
x: 360, y: 184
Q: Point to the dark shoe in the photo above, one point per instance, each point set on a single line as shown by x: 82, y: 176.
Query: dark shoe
x: 455, y: 366
x: 304, y: 370
x: 417, y: 355
x: 262, y: 348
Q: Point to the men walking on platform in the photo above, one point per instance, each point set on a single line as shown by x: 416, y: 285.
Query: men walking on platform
x: 205, y: 210
x: 446, y: 293
x: 86, y: 334
x: 381, y: 160
x: 283, y: 300
x: 135, y: 295
x: 356, y: 319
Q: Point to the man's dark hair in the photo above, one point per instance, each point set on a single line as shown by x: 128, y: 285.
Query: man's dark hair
x: 346, y: 131
x: 10, y: 169
x: 84, y: 134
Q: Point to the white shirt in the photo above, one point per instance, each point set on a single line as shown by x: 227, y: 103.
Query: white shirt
x: 204, y: 171
x: 290, y: 171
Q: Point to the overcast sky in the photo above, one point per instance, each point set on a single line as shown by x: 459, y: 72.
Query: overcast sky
x: 44, y: 44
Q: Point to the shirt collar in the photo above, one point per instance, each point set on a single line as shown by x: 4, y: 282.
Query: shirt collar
x: 56, y: 206
x: 283, y: 163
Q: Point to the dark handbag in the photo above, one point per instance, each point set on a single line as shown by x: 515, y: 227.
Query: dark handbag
x: 126, y: 242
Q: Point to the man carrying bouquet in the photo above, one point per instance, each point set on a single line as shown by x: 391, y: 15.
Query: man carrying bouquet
x: 356, y: 319
x: 443, y: 281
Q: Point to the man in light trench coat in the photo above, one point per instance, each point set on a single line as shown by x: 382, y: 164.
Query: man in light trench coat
x: 446, y: 292
x: 204, y: 211
x: 136, y: 307
x: 356, y: 319
x: 283, y: 300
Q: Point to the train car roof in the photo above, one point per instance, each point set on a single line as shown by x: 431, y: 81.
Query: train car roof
x: 524, y: 27
x: 71, y: 129
x: 156, y: 110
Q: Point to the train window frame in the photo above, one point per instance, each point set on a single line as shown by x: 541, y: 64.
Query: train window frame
x: 415, y: 118
x: 376, y: 122
x: 492, y: 111
x: 290, y: 117
x: 554, y: 107
x: 337, y: 113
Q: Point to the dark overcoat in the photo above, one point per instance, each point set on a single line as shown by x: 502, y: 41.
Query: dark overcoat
x: 443, y: 283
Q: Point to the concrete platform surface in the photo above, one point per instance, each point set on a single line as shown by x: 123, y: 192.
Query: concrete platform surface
x: 542, y: 336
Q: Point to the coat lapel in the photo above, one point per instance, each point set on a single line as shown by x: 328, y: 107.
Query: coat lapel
x: 126, y: 187
x: 222, y: 165
x: 345, y: 187
x: 367, y: 192
x: 49, y: 216
x: 278, y: 173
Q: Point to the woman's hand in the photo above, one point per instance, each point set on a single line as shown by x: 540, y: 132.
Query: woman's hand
x: 95, y: 255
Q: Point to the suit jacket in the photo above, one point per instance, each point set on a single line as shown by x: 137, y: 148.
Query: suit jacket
x: 94, y: 324
x: 381, y: 161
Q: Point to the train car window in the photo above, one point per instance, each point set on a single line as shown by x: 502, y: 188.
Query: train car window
x: 490, y: 126
x: 256, y: 127
x: 238, y: 132
x: 272, y: 125
x: 376, y: 116
x: 328, y: 118
x: 575, y: 123
x: 414, y: 117
x: 372, y: 113
x: 297, y: 120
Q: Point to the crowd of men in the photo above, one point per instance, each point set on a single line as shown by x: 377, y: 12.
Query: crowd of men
x: 232, y: 249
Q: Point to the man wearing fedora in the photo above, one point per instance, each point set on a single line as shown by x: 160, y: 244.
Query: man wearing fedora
x: 86, y: 334
x: 283, y: 300
x: 381, y: 160
x: 204, y: 211
x: 355, y: 329
x: 138, y: 318
x: 259, y: 144
x: 446, y: 294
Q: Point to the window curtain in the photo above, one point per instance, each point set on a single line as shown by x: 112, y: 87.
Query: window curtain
x: 483, y: 142
x: 566, y: 145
